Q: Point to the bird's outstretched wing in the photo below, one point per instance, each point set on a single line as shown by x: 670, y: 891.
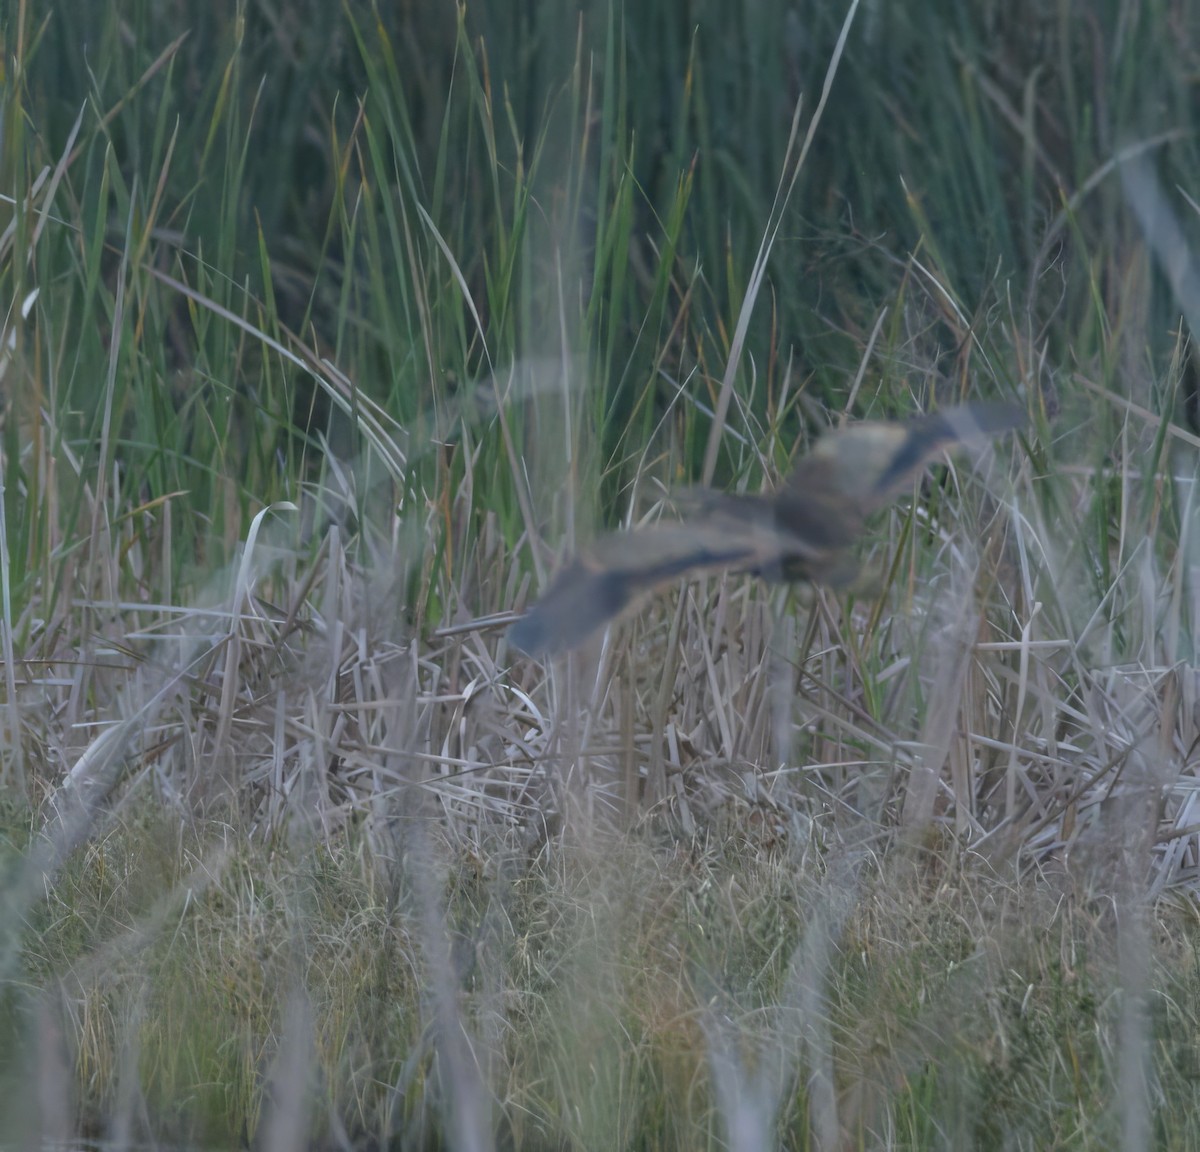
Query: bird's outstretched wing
x: 807, y: 530
x: 854, y: 472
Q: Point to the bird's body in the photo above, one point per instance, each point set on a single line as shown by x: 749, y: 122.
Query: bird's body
x: 806, y: 530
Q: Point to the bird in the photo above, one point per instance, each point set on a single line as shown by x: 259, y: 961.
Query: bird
x: 806, y: 530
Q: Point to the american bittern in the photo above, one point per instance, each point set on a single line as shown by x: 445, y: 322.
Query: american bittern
x: 807, y: 530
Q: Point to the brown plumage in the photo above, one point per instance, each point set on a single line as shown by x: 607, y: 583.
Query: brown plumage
x: 807, y: 530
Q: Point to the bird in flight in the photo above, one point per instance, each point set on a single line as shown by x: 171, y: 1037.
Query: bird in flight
x: 806, y: 530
